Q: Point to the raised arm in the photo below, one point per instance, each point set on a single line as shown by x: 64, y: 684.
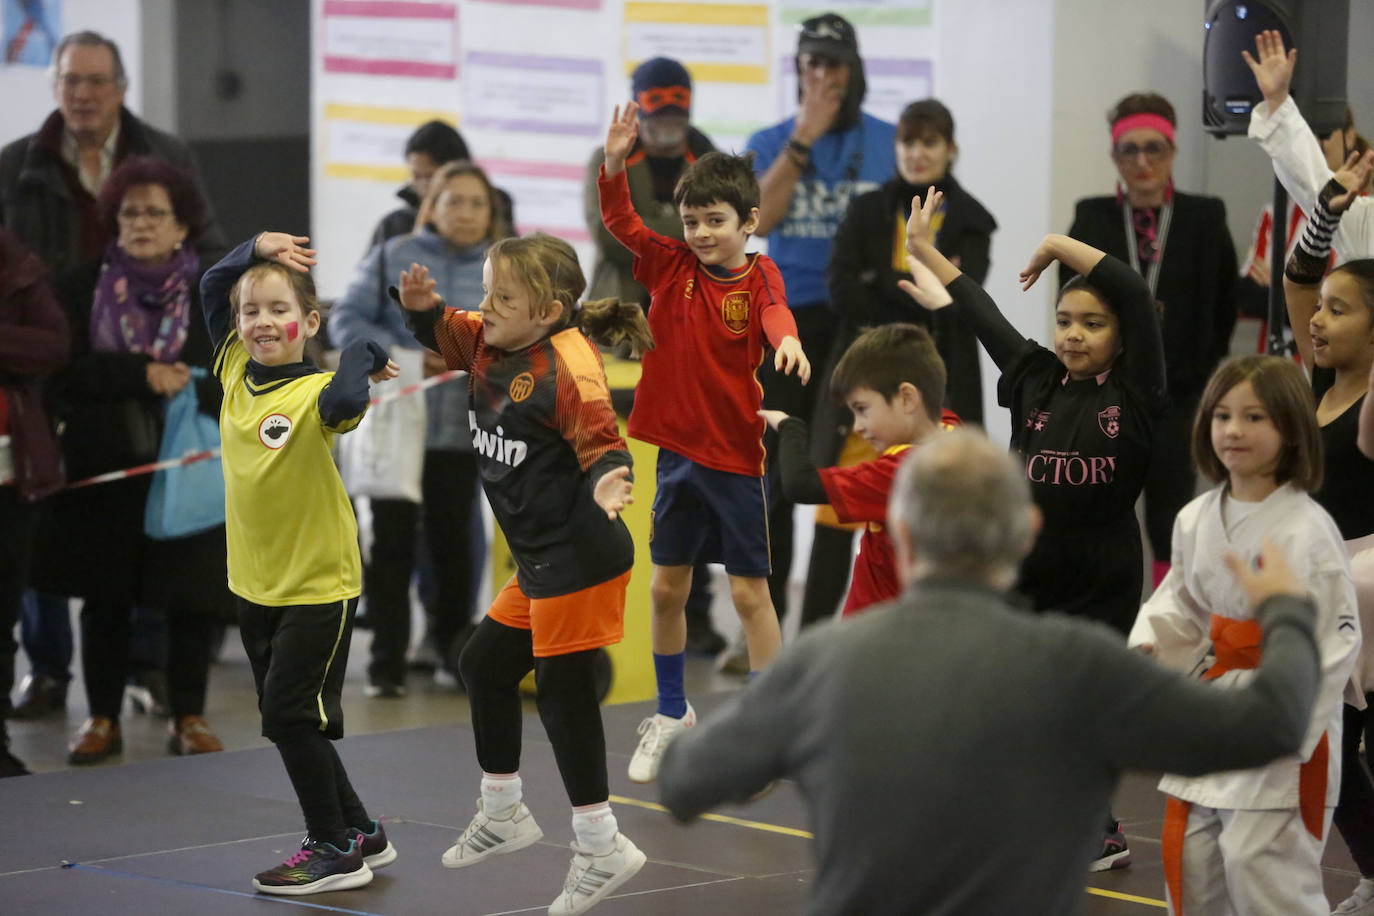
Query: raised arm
x: 820, y: 104
x: 452, y: 333
x: 1302, y: 274
x: 1279, y: 127
x: 219, y: 280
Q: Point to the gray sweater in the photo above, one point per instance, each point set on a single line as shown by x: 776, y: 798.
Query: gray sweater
x: 958, y: 755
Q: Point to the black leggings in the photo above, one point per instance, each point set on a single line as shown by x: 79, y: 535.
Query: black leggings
x: 1354, y: 816
x: 492, y: 665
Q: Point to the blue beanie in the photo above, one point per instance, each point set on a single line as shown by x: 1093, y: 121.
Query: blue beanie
x: 662, y: 85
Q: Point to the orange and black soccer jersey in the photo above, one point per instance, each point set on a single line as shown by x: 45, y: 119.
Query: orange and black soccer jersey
x: 544, y: 431
x: 698, y: 394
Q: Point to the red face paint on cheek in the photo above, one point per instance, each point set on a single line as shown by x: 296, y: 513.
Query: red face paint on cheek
x: 292, y: 329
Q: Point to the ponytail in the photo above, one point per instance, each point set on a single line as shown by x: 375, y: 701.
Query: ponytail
x: 610, y: 323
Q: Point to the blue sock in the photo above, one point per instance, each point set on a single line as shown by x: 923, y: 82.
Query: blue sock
x: 672, y: 696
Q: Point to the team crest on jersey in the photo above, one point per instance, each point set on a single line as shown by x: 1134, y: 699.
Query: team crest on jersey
x: 521, y: 387
x: 274, y: 430
x: 734, y: 310
x: 1110, y: 421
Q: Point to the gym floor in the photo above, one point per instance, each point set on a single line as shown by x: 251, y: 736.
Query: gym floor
x: 146, y: 832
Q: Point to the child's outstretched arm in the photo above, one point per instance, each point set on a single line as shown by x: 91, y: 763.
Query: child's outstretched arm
x: 219, y: 280
x: 801, y: 481
x: 1302, y: 274
x: 617, y: 210
x: 939, y: 284
x: 620, y: 138
x: 346, y: 396
x: 451, y: 333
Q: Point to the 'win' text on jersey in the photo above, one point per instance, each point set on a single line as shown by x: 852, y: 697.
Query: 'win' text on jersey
x: 544, y: 432
x: 699, y: 392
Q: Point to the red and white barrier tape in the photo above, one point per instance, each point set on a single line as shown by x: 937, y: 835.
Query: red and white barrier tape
x: 195, y: 457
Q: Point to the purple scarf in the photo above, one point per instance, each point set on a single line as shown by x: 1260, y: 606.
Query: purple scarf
x: 143, y: 308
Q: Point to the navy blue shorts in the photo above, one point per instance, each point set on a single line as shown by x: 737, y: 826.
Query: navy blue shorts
x: 705, y: 516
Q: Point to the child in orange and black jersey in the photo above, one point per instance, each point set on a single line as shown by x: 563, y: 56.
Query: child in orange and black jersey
x: 712, y: 308
x: 557, y: 474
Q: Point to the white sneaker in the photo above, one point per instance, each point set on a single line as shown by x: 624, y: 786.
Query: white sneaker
x: 658, y: 731
x: 489, y: 836
x: 592, y: 878
x: 1359, y: 903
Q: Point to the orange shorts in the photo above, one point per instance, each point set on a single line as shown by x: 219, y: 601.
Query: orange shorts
x: 586, y: 619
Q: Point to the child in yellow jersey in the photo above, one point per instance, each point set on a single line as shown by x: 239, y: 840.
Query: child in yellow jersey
x: 292, y: 538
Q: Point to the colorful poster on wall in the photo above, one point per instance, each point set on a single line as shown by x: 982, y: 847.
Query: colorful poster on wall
x: 532, y: 93
x: 548, y: 195
x: 32, y: 29
x: 368, y: 141
x: 558, y: 4
x: 722, y: 43
x: 916, y: 13
x: 391, y: 39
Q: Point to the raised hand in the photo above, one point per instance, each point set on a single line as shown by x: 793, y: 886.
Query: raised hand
x: 389, y: 371
x: 286, y: 249
x: 620, y: 136
x: 928, y: 291
x: 821, y: 99
x: 1354, y: 177
x: 790, y: 357
x: 613, y: 491
x: 1274, y: 69
x: 919, y: 235
x: 417, y: 289
x: 772, y: 417
x: 1043, y: 256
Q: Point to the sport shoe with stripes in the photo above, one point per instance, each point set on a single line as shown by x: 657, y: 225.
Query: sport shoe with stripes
x: 491, y: 836
x: 656, y: 732
x: 592, y: 878
x: 377, y: 849
x: 317, y: 866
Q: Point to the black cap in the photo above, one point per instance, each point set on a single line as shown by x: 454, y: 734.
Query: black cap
x: 830, y: 35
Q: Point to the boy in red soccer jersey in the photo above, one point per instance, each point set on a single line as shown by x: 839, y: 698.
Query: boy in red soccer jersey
x: 712, y: 307
x: 893, y: 380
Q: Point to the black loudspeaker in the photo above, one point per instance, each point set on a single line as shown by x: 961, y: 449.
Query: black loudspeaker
x: 1319, y: 29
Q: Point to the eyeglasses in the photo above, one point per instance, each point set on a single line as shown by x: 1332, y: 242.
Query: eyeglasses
x: 72, y: 81
x: 152, y: 214
x: 1154, y: 151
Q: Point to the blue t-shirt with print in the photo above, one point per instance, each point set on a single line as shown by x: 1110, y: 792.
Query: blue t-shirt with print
x: 844, y: 165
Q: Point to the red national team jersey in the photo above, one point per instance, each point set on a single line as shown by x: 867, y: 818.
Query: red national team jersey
x: 698, y: 394
x: 859, y: 494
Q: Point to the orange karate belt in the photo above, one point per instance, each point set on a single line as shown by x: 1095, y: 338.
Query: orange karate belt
x: 1237, y: 645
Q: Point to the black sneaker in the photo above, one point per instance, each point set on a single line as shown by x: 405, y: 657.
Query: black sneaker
x: 377, y: 849
x: 11, y: 765
x: 316, y: 867
x: 1115, y: 853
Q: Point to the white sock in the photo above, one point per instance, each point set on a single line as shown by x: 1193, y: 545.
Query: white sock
x: 595, y: 828
x: 500, y: 794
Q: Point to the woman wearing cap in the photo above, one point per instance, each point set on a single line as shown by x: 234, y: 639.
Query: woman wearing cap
x: 1180, y: 244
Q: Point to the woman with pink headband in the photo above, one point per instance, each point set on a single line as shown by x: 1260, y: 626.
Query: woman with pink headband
x: 1180, y: 244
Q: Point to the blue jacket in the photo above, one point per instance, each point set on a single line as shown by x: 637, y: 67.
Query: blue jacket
x: 365, y: 311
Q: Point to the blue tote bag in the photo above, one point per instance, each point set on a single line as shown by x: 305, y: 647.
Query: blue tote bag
x: 186, y: 499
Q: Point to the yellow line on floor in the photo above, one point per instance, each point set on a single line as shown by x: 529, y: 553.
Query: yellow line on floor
x: 792, y: 831
x: 720, y: 818
x: 1130, y: 898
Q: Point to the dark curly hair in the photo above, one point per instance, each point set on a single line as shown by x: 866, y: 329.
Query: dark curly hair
x: 181, y: 189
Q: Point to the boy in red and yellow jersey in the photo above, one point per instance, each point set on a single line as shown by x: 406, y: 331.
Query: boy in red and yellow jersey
x: 711, y: 310
x: 893, y: 380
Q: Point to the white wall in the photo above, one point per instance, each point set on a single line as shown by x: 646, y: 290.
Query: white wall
x: 26, y: 91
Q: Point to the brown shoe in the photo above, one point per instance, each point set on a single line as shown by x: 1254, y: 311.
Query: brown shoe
x: 99, y: 738
x: 190, y: 735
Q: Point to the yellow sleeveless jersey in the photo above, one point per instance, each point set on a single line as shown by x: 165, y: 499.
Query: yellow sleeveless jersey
x: 292, y: 535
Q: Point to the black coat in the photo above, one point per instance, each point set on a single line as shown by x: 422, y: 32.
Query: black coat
x: 863, y: 281
x: 1197, y: 282
x: 43, y: 202
x: 90, y: 541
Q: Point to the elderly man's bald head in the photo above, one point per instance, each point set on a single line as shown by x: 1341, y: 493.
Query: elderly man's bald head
x: 961, y: 506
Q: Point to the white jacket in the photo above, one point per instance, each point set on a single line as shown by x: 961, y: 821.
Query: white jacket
x: 1177, y: 621
x: 1301, y: 166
